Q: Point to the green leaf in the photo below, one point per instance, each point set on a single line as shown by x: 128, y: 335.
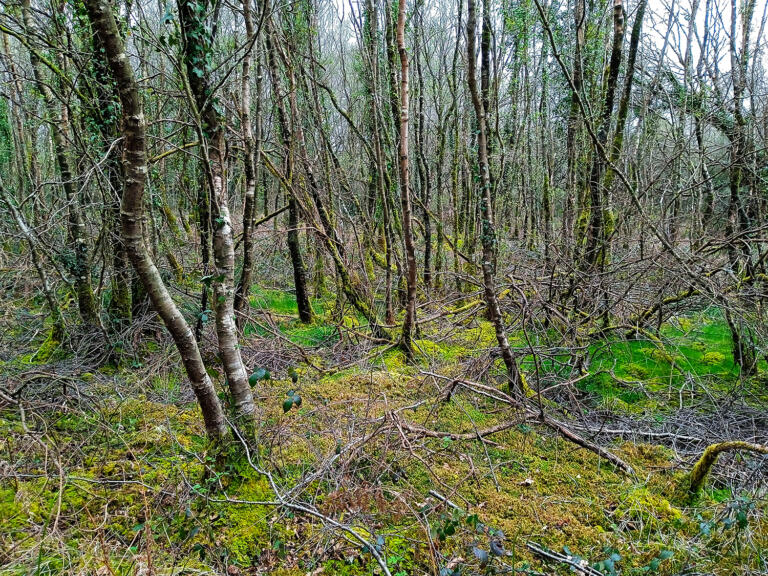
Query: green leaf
x: 481, y: 555
x: 297, y: 400
x: 287, y: 404
x: 260, y: 374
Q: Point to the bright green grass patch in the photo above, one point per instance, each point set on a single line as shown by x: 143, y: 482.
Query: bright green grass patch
x: 696, y: 346
x: 282, y: 301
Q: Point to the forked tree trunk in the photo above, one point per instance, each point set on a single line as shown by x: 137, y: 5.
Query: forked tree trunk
x: 135, y: 174
x: 595, y: 251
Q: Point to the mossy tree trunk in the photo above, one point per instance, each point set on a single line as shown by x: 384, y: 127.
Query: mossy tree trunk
x: 197, y: 38
x: 406, y: 338
x: 708, y: 458
x: 488, y: 234
x: 79, y: 267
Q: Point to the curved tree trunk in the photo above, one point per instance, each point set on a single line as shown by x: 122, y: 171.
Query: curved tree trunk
x: 708, y: 458
x: 135, y: 173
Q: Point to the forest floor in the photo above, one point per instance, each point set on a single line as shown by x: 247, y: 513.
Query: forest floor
x: 361, y: 461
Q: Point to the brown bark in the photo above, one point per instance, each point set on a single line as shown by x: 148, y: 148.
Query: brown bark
x: 488, y: 235
x: 406, y: 339
x: 596, y: 229
x: 574, y: 120
x: 77, y: 235
x: 306, y: 314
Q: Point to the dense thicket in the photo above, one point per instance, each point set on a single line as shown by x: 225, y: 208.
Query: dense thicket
x: 507, y: 200
x: 590, y: 180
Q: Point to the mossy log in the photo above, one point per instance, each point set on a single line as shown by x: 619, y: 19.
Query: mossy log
x: 709, y: 457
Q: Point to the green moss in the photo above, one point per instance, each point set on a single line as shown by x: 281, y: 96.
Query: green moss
x: 712, y: 358
x: 443, y: 351
x: 249, y: 530
x: 642, y: 506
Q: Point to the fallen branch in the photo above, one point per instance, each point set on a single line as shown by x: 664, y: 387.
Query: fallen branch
x: 579, y: 566
x: 584, y: 443
x: 623, y: 432
x: 533, y: 415
x: 479, y: 435
x: 709, y: 457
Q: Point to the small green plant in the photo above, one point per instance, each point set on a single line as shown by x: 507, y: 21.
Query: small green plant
x: 259, y: 375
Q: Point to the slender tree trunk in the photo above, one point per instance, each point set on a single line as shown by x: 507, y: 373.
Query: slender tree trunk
x: 250, y: 161
x: 425, y: 180
x: 573, y: 179
x: 596, y: 228
x: 406, y: 340
x: 80, y: 267
x: 488, y: 234
x: 299, y: 270
x: 135, y: 174
x: 196, y: 50
x: 57, y: 328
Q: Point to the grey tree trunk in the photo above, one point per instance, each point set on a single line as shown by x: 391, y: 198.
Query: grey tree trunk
x: 135, y: 174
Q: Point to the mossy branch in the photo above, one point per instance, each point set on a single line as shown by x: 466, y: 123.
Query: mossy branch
x: 709, y: 457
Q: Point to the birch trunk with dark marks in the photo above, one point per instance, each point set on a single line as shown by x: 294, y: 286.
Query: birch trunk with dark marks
x: 131, y: 212
x: 250, y: 161
x: 196, y: 45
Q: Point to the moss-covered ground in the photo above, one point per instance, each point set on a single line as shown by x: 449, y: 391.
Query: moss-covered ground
x: 105, y: 470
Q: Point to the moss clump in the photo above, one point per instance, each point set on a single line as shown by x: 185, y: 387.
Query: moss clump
x: 642, y: 506
x: 659, y: 354
x: 49, y: 350
x: 442, y: 351
x: 637, y: 370
x: 248, y: 531
x: 712, y: 358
